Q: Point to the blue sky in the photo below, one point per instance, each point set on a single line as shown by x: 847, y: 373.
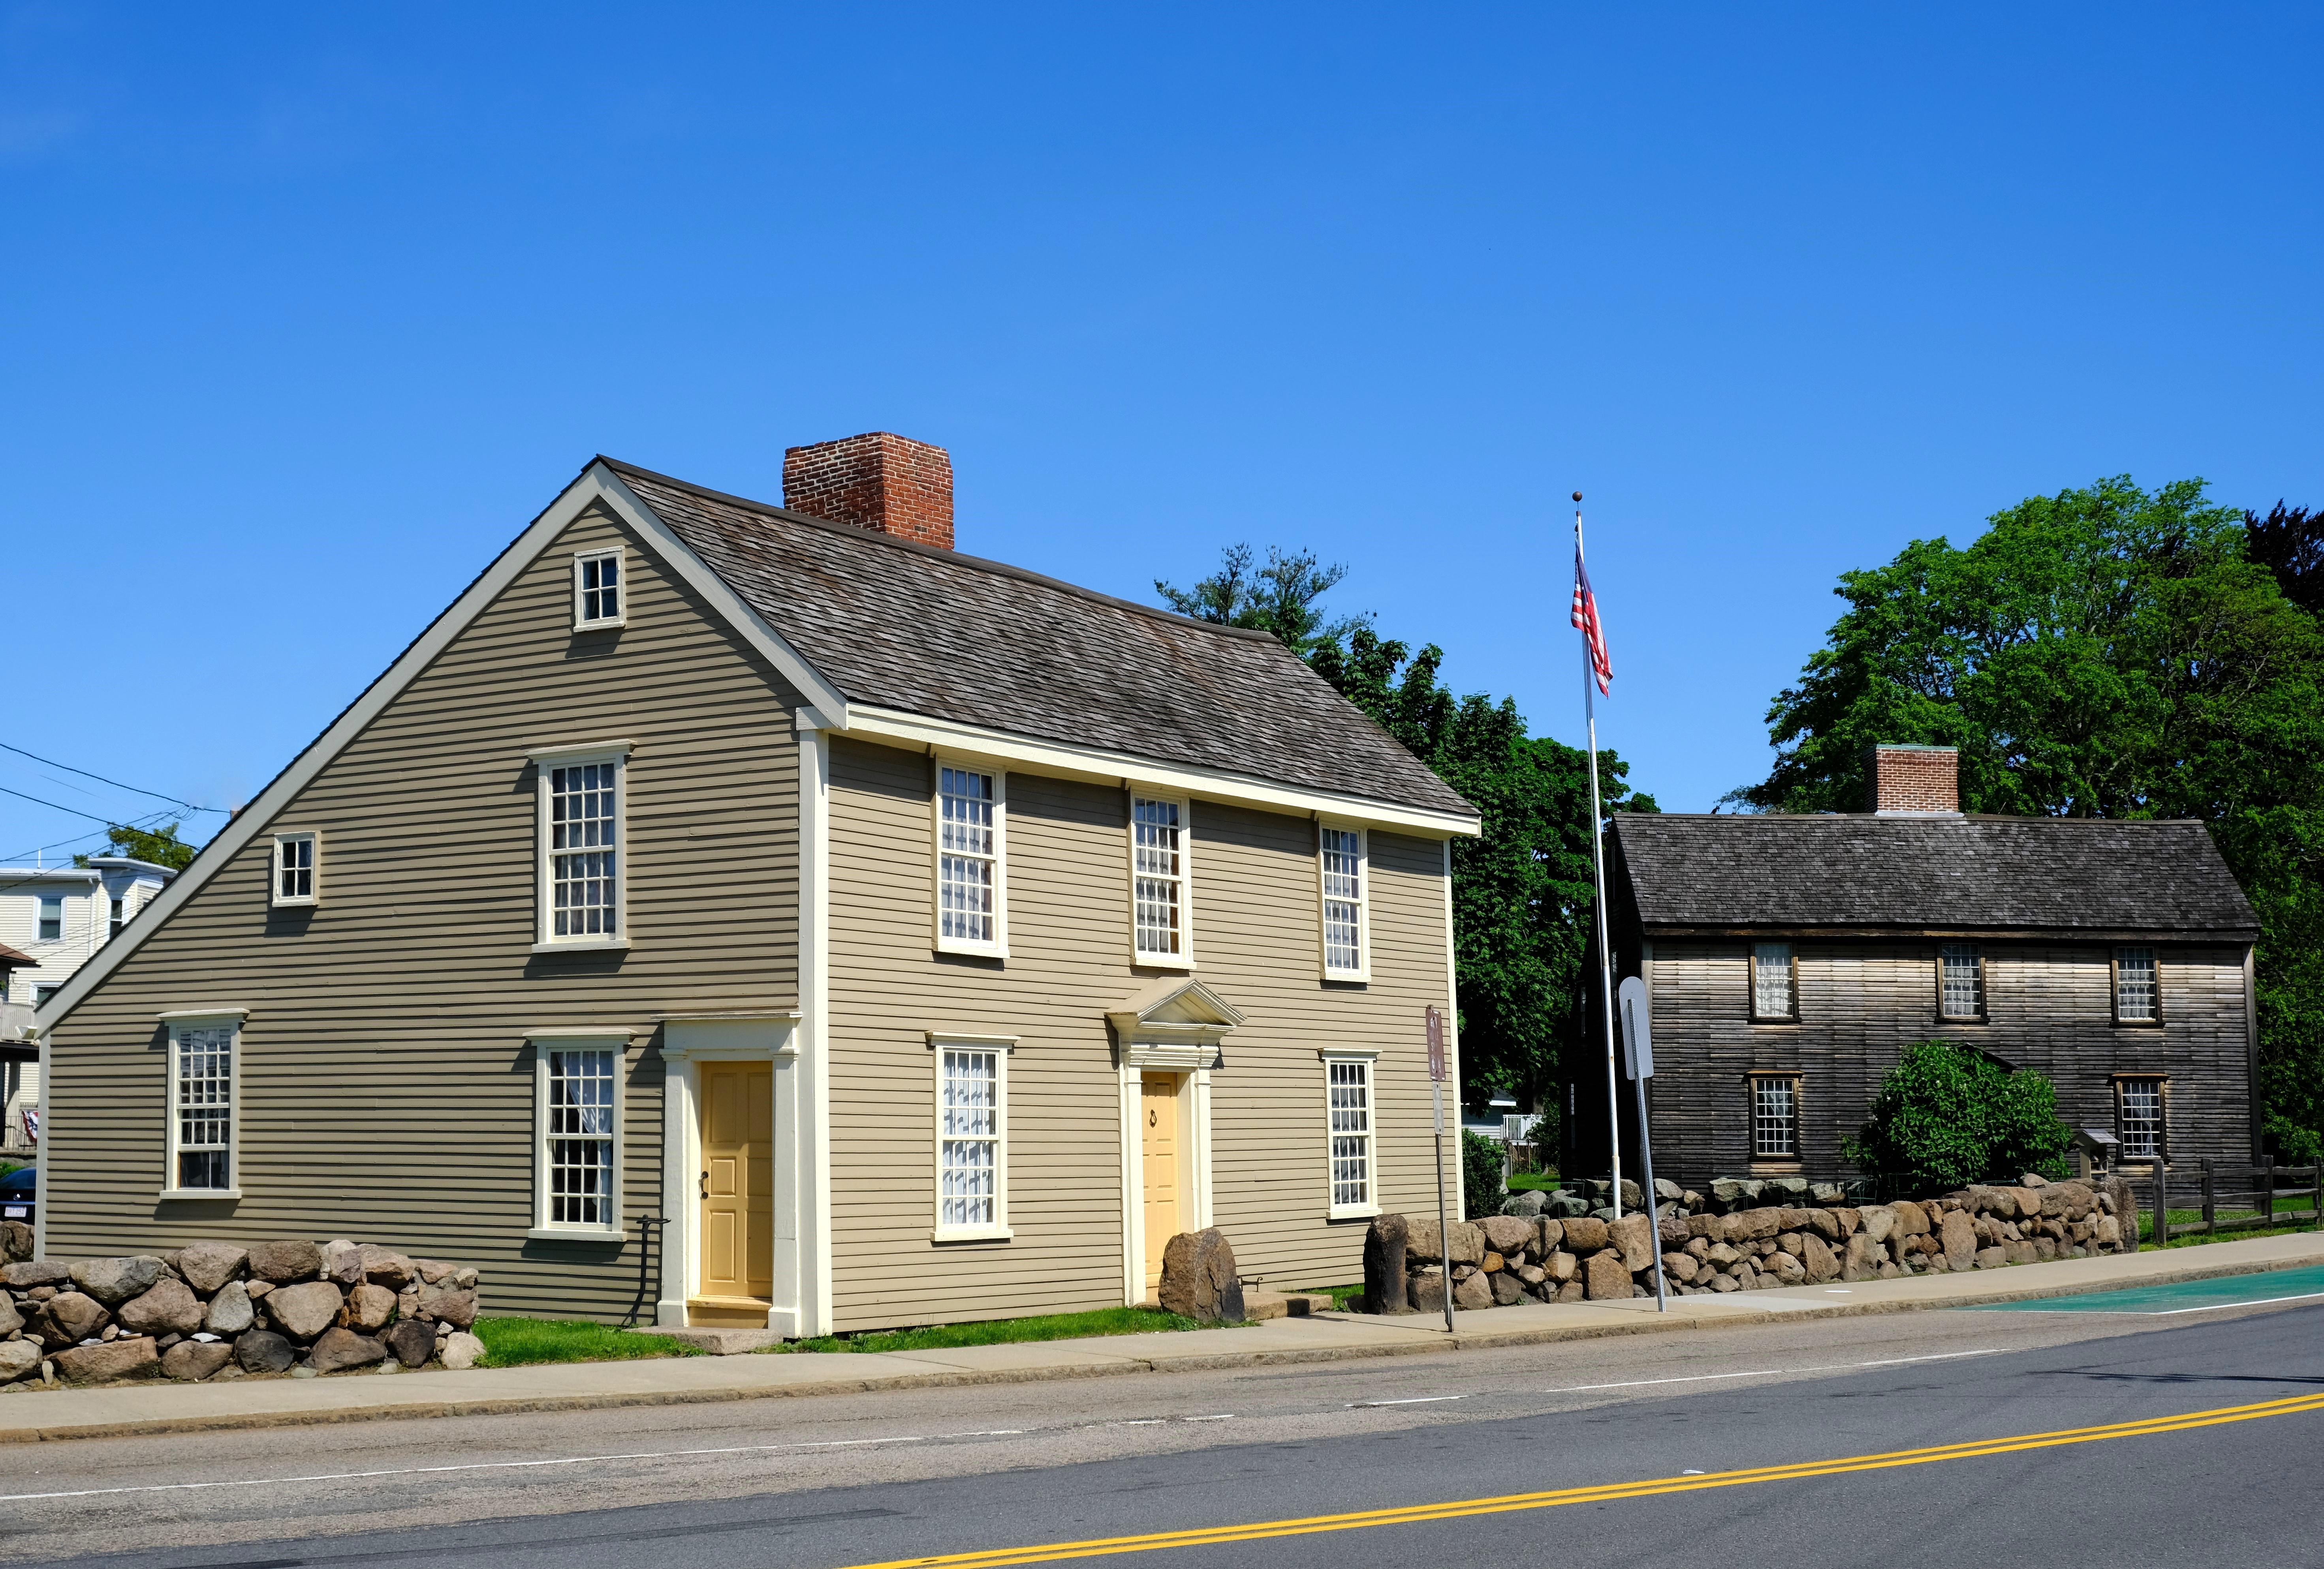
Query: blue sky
x: 304, y: 311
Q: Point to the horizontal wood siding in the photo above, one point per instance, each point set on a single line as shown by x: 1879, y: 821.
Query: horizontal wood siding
x: 2049, y: 1007
x: 1257, y: 941
x: 387, y: 1086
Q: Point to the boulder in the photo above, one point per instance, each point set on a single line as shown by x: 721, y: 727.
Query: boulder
x: 1634, y: 1234
x: 26, y: 1275
x: 434, y: 1272
x: 206, y: 1267
x: 73, y: 1315
x: 1549, y: 1235
x: 1785, y: 1189
x: 1722, y: 1282
x: 370, y: 1307
x: 1673, y: 1230
x: 1827, y: 1192
x: 113, y: 1281
x: 304, y: 1311
x: 1876, y: 1221
x: 413, y: 1341
x: 1198, y: 1282
x: 283, y: 1263
x: 1507, y: 1234
x: 2109, y: 1233
x: 458, y: 1308
x: 461, y: 1352
x: 1427, y: 1292
x: 130, y: 1357
x: 1606, y: 1277
x: 1823, y: 1223
x: 11, y: 1319
x: 1722, y: 1256
x: 1492, y: 1264
x: 1524, y: 1203
x: 1863, y: 1259
x: 343, y: 1263
x: 168, y: 1308
x: 1664, y: 1188
x: 1474, y: 1292
x: 19, y: 1358
x: 337, y: 1350
x: 2028, y: 1201
x: 1819, y: 1261
x: 1561, y: 1266
x: 1911, y: 1220
x: 1678, y: 1267
x: 195, y: 1360
x: 1507, y: 1290
x: 15, y: 1241
x: 262, y: 1350
x: 1385, y: 1268
x: 1788, y: 1270
x: 1584, y: 1234
x: 230, y: 1311
x: 1960, y: 1238
x: 1564, y: 1205
x: 386, y: 1267
x: 1991, y: 1258
x: 2018, y: 1251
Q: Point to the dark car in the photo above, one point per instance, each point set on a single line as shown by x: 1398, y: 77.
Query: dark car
x: 17, y: 1191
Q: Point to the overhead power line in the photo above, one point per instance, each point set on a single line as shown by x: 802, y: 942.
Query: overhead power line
x: 100, y: 779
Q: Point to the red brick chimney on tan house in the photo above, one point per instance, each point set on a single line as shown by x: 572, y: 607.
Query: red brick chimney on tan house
x: 1913, y: 780
x: 886, y: 483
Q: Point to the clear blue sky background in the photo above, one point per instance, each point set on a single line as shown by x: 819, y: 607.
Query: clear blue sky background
x: 303, y: 313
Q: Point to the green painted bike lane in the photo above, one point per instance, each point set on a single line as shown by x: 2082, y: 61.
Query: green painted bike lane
x: 2226, y: 1291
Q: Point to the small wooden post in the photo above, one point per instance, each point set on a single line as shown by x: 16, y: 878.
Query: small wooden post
x: 2161, y: 1205
x: 2210, y: 1212
x: 2318, y: 1175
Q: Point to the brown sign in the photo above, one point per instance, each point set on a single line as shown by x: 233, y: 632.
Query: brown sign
x: 1435, y: 1046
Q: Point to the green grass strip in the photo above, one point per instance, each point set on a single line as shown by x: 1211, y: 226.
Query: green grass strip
x: 1000, y: 1331
x: 513, y: 1342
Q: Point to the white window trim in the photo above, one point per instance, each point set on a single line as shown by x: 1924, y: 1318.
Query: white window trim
x: 2153, y: 1019
x: 1370, y: 1059
x: 179, y: 1020
x: 1002, y: 1046
x: 1185, y: 958
x: 1983, y: 1013
x: 545, y: 761
x: 275, y: 897
x: 583, y: 1038
x: 998, y: 948
x: 1364, y: 968
x: 582, y: 622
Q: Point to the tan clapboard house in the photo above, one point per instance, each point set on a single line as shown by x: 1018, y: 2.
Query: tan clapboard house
x: 916, y: 937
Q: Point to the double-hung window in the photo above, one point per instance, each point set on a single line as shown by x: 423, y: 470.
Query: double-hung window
x: 2138, y: 987
x: 1774, y: 1117
x: 1774, y: 984
x: 972, y: 887
x: 1346, y: 952
x: 1960, y: 982
x: 577, y: 1132
x: 204, y: 1084
x: 1348, y: 1111
x: 1158, y: 882
x: 120, y: 918
x: 597, y: 590
x: 971, y: 1137
x: 52, y: 916
x: 2138, y: 1118
x: 294, y: 869
x: 583, y: 859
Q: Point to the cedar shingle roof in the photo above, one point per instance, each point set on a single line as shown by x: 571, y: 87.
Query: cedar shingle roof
x: 930, y: 631
x: 1967, y: 874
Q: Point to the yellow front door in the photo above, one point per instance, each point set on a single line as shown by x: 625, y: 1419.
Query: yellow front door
x: 1159, y: 1132
x: 737, y: 1189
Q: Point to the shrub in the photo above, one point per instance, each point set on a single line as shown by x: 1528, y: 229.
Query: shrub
x: 1480, y: 1171
x: 1948, y: 1115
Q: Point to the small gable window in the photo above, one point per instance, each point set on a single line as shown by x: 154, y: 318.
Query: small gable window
x: 2137, y: 996
x: 1960, y: 981
x: 597, y: 589
x: 1774, y: 989
x: 294, y: 869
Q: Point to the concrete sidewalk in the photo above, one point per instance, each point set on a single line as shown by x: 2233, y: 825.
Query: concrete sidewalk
x: 44, y: 1415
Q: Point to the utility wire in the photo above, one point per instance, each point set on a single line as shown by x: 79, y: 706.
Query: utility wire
x: 100, y: 779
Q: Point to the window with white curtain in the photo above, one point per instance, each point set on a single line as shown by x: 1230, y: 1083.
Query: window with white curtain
x: 202, y: 1106
x: 1348, y: 1107
x: 970, y: 886
x: 1772, y: 991
x: 2137, y: 996
x: 1344, y: 876
x: 1960, y: 981
x: 580, y: 1150
x: 1158, y: 879
x: 971, y: 1150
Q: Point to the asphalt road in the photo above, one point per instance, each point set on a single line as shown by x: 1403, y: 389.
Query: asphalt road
x: 844, y: 1480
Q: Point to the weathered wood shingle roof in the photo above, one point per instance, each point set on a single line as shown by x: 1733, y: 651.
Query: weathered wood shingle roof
x: 2062, y: 875
x: 933, y: 633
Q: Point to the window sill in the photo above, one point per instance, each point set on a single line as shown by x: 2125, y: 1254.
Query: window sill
x: 581, y: 945
x: 1161, y: 962
x: 615, y: 625
x: 1357, y: 1213
x: 288, y: 904
x: 2138, y: 1024
x: 972, y: 1234
x: 197, y: 1195
x: 1350, y: 978
x: 1775, y: 1018
x: 971, y: 950
x: 576, y: 1235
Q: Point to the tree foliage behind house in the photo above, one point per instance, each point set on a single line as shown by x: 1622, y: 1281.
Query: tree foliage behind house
x: 2106, y: 652
x: 161, y: 847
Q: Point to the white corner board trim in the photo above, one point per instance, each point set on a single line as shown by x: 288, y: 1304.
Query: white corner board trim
x: 595, y: 484
x: 1144, y: 774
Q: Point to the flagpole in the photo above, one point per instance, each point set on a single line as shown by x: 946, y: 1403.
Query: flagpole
x: 1598, y: 868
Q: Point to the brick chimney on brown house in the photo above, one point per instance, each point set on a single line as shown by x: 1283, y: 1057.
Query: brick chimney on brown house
x: 888, y: 484
x: 1913, y: 780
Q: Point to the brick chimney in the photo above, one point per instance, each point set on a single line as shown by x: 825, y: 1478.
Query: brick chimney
x: 886, y: 483
x: 1913, y: 780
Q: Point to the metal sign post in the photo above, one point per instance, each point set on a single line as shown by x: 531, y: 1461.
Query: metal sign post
x: 1443, y: 1226
x: 1639, y: 1060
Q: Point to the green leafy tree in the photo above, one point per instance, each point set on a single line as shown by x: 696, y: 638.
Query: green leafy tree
x: 1948, y: 1115
x: 160, y: 845
x: 2289, y: 543
x: 1481, y: 1174
x: 1280, y: 598
x: 2102, y: 652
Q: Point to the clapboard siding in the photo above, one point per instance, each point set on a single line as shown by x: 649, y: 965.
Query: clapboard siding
x: 387, y: 1087
x: 2049, y: 1007
x: 1256, y: 941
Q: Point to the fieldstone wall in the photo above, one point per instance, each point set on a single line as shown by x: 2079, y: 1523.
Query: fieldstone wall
x: 1714, y: 1243
x: 218, y: 1310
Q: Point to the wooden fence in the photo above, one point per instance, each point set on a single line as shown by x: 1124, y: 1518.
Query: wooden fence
x: 2225, y: 1196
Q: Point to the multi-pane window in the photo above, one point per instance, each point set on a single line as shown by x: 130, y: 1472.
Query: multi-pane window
x: 2138, y: 1118
x: 968, y: 858
x: 120, y: 917
x: 597, y: 589
x: 294, y: 869
x: 1960, y: 981
x: 583, y: 870
x: 1158, y: 877
x: 1775, y: 1119
x: 1349, y: 1082
x: 2134, y: 996
x: 579, y: 1126
x: 1772, y: 995
x: 202, y: 1107
x: 52, y: 916
x: 968, y: 1139
x: 1343, y: 900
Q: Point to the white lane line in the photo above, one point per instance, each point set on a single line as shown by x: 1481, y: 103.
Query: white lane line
x: 1772, y: 1372
x: 1221, y: 1417
x: 1413, y: 1400
x: 503, y: 1465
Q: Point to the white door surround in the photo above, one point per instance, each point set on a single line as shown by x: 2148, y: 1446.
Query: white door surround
x: 686, y: 1044
x: 1176, y: 1026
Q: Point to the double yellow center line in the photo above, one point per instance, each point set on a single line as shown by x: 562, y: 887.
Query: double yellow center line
x: 1414, y: 1514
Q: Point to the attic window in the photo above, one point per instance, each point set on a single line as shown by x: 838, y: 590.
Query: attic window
x: 597, y: 589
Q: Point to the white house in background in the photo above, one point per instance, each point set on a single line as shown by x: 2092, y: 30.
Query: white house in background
x: 57, y: 917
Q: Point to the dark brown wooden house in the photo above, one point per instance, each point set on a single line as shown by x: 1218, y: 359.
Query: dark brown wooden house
x: 1789, y: 960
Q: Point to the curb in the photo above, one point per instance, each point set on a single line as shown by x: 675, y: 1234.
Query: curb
x: 1646, y: 1324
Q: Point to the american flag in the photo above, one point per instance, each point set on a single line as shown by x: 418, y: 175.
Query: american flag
x: 1593, y: 630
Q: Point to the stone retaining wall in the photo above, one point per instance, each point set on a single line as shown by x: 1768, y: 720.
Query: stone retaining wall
x: 1506, y: 1259
x: 217, y: 1310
